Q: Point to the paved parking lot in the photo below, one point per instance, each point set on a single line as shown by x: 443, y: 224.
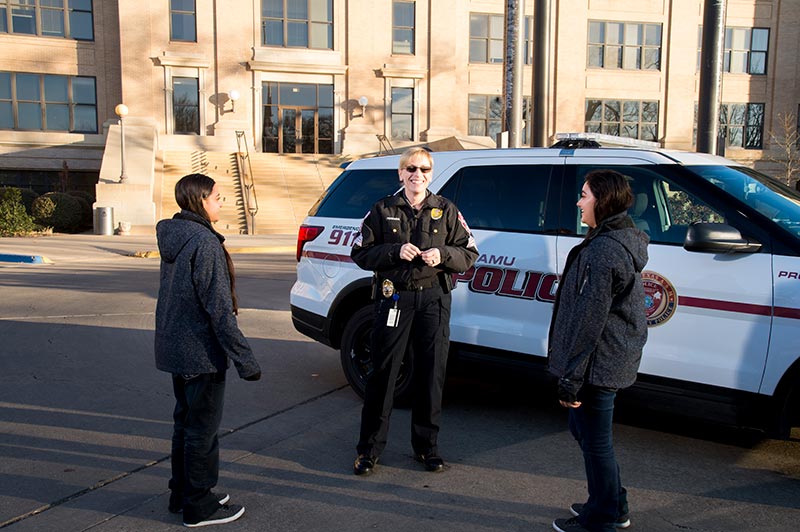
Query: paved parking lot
x: 84, y: 424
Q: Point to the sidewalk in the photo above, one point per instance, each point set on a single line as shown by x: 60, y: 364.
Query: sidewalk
x: 61, y: 248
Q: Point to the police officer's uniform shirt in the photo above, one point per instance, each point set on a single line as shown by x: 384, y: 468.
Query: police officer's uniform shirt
x: 392, y: 222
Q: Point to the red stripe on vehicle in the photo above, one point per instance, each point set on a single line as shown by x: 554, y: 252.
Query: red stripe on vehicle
x: 728, y: 306
x: 327, y: 256
x: 786, y: 312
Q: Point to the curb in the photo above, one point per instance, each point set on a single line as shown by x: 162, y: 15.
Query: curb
x: 266, y: 249
x: 25, y: 259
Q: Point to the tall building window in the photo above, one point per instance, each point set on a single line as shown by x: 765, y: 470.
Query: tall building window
x: 626, y: 45
x: 182, y: 20
x: 48, y: 18
x: 623, y: 118
x: 297, y: 23
x: 745, y: 52
x: 186, y: 106
x: 485, y: 38
x: 528, y: 39
x: 742, y: 125
x: 403, y: 27
x: 48, y: 102
x: 402, y: 113
x: 485, y: 115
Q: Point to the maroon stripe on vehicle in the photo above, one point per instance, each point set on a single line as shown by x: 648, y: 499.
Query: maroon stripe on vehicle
x: 728, y: 306
x: 786, y: 312
x: 327, y: 256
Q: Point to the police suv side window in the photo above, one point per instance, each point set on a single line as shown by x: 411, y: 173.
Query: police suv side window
x: 503, y: 197
x: 660, y: 208
x: 354, y: 192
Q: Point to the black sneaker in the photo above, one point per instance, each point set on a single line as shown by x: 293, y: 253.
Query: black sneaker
x: 568, y: 525
x: 226, y: 514
x: 623, y: 521
x: 176, y: 502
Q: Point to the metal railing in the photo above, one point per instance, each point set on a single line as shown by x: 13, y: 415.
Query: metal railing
x: 246, y: 181
x: 385, y: 145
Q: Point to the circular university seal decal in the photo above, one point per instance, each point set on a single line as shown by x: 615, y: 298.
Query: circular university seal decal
x: 660, y: 298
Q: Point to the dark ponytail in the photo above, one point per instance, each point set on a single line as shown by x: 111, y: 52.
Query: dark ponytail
x: 190, y: 191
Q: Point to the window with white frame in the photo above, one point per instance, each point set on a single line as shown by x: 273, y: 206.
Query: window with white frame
x: 182, y: 20
x: 297, y: 23
x: 402, y: 113
x: 636, y: 119
x: 403, y: 27
x: 48, y: 102
x: 485, y: 115
x: 185, y: 106
x: 625, y: 45
x: 486, y: 38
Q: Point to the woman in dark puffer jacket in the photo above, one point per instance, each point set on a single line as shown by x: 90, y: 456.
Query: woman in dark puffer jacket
x: 597, y: 334
x: 196, y: 335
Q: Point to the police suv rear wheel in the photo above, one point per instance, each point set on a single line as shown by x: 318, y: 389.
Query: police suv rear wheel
x: 357, y: 361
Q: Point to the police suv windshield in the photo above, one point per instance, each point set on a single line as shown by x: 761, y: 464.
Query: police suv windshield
x: 765, y: 194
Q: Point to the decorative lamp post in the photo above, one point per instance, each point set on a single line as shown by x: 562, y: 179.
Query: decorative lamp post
x: 122, y: 112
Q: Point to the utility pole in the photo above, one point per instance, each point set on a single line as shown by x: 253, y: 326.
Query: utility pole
x: 512, y: 71
x: 708, y: 138
x: 541, y: 67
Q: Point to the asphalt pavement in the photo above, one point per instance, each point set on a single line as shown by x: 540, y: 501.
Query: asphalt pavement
x: 85, y: 423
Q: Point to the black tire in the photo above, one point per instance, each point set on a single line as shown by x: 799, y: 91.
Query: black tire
x: 789, y: 412
x: 356, y: 359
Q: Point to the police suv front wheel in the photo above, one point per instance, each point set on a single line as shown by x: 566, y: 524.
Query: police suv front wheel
x: 356, y: 356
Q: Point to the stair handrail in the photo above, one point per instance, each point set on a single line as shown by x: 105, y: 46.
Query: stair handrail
x: 385, y: 145
x: 248, y: 188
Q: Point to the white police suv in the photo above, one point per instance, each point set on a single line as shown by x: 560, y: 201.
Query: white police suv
x: 722, y: 283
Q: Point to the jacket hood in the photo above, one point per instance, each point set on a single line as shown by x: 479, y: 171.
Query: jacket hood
x: 621, y: 228
x: 173, y: 235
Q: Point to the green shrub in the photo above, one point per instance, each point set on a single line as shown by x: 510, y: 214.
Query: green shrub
x: 14, y: 221
x: 86, y: 212
x: 60, y: 211
x: 86, y: 200
x: 82, y: 194
x: 28, y: 196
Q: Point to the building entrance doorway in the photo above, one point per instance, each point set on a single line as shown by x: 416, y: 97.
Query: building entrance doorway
x: 298, y: 118
x: 298, y: 130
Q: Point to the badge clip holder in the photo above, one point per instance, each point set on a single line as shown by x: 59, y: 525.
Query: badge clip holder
x: 394, y: 313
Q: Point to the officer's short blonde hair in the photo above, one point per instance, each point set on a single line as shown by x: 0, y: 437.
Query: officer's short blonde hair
x: 411, y: 152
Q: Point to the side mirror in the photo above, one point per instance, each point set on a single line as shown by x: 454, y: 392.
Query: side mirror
x: 717, y: 238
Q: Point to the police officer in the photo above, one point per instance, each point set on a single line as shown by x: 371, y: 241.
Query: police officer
x: 413, y: 241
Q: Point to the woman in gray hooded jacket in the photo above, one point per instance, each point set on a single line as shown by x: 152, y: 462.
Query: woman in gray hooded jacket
x: 196, y: 336
x: 597, y: 334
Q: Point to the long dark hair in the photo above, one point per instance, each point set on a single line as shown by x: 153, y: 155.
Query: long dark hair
x: 611, y: 191
x: 190, y: 191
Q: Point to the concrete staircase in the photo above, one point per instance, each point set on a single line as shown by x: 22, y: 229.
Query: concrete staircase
x: 286, y: 186
x: 219, y: 166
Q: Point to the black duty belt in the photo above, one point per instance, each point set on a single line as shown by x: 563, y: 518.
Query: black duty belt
x: 422, y: 284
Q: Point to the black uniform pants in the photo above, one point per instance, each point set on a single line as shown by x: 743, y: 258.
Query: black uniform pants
x: 424, y: 326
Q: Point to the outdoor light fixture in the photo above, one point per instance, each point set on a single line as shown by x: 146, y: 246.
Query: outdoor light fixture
x: 363, y: 101
x: 122, y: 112
x: 233, y: 95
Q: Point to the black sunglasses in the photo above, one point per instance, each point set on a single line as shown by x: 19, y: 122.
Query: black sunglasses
x: 423, y: 169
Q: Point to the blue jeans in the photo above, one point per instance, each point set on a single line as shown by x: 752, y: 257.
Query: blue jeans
x: 195, y: 447
x: 590, y: 424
